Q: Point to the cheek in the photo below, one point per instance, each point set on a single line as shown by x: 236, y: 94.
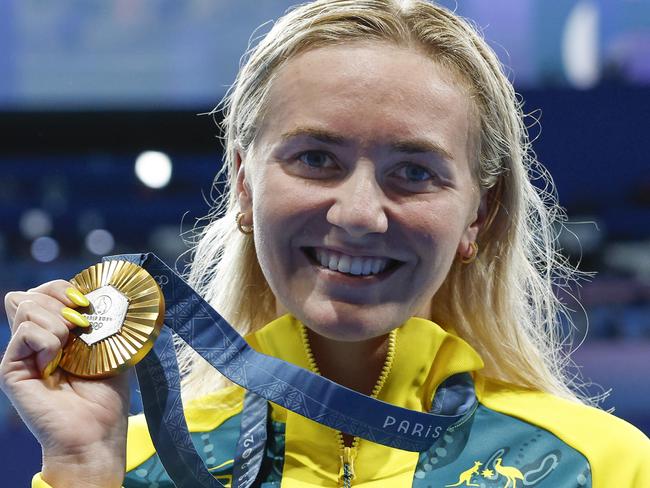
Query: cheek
x: 434, y: 236
x: 281, y: 200
x: 282, y: 214
x: 436, y: 227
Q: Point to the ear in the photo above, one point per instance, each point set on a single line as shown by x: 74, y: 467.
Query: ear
x: 243, y: 189
x: 474, y: 227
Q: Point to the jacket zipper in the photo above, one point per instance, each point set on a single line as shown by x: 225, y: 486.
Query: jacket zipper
x: 348, y: 454
x: 346, y: 473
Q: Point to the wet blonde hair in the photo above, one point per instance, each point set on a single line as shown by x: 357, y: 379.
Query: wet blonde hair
x: 504, y: 303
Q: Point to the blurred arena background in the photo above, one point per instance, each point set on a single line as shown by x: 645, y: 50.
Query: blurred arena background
x: 102, y: 150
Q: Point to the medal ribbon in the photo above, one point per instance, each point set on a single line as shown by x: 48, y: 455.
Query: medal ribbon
x: 283, y: 383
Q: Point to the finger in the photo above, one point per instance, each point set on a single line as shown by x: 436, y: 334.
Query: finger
x: 74, y: 317
x: 52, y: 365
x: 77, y: 297
x: 53, y: 304
x: 30, y: 351
x: 12, y: 299
x: 30, y: 311
x: 57, y: 289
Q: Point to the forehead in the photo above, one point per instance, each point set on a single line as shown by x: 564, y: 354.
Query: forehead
x: 370, y: 90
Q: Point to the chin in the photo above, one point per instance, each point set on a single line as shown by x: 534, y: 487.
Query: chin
x: 349, y: 322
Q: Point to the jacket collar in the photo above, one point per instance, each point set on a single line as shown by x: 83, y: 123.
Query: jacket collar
x: 425, y: 356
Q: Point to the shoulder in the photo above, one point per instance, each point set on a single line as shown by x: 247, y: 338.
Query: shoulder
x: 618, y: 453
x: 203, y: 414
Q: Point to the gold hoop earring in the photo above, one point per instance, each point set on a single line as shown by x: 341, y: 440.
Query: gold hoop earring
x: 244, y: 229
x: 472, y: 257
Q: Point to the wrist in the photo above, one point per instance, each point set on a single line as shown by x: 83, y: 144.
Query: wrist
x: 92, y: 469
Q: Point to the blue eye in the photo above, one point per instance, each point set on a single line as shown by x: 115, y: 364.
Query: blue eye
x: 315, y: 159
x: 414, y: 173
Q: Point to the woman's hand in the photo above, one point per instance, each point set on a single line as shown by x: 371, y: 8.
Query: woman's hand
x: 80, y: 423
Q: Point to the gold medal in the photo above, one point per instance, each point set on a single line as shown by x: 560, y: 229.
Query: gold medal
x: 126, y: 312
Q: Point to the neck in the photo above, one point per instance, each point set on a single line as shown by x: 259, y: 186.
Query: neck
x: 355, y: 365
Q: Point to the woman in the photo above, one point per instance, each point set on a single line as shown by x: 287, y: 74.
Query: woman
x: 380, y: 219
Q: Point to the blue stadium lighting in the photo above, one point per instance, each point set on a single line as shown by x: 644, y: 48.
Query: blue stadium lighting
x: 35, y: 223
x: 580, y: 46
x: 45, y: 249
x: 100, y: 242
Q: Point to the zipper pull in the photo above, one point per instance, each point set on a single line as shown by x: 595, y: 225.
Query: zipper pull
x: 347, y: 467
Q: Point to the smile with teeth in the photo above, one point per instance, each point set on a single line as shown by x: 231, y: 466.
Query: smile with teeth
x: 354, y: 265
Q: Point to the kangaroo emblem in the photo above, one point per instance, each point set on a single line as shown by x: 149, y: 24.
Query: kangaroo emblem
x: 511, y: 473
x: 466, y: 476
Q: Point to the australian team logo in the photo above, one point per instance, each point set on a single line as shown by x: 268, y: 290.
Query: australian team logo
x: 510, y: 473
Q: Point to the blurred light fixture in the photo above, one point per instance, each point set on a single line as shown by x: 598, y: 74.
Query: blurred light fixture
x: 100, y: 242
x: 45, y: 249
x: 153, y: 168
x: 35, y: 223
x: 580, y: 45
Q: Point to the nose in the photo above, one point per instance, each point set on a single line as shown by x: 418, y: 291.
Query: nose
x: 359, y: 206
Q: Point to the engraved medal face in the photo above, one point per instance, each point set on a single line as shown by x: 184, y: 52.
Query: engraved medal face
x: 126, y: 313
x: 107, y: 313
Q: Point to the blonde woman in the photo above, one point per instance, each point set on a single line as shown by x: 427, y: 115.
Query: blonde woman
x: 380, y: 229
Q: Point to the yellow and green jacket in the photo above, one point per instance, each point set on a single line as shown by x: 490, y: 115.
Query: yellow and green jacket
x: 514, y: 438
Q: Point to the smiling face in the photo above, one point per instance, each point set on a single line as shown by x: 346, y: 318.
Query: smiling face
x: 360, y: 187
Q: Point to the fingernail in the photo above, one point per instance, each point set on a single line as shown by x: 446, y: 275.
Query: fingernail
x: 75, y: 317
x: 77, y: 297
x: 52, y: 365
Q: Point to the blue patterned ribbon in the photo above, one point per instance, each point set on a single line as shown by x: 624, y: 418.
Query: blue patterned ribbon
x: 294, y: 388
x: 252, y: 441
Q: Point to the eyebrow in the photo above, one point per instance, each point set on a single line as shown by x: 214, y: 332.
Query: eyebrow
x: 409, y: 146
x: 318, y: 134
x: 415, y: 146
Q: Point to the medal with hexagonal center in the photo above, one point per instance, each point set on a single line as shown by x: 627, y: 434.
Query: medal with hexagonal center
x: 106, y: 314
